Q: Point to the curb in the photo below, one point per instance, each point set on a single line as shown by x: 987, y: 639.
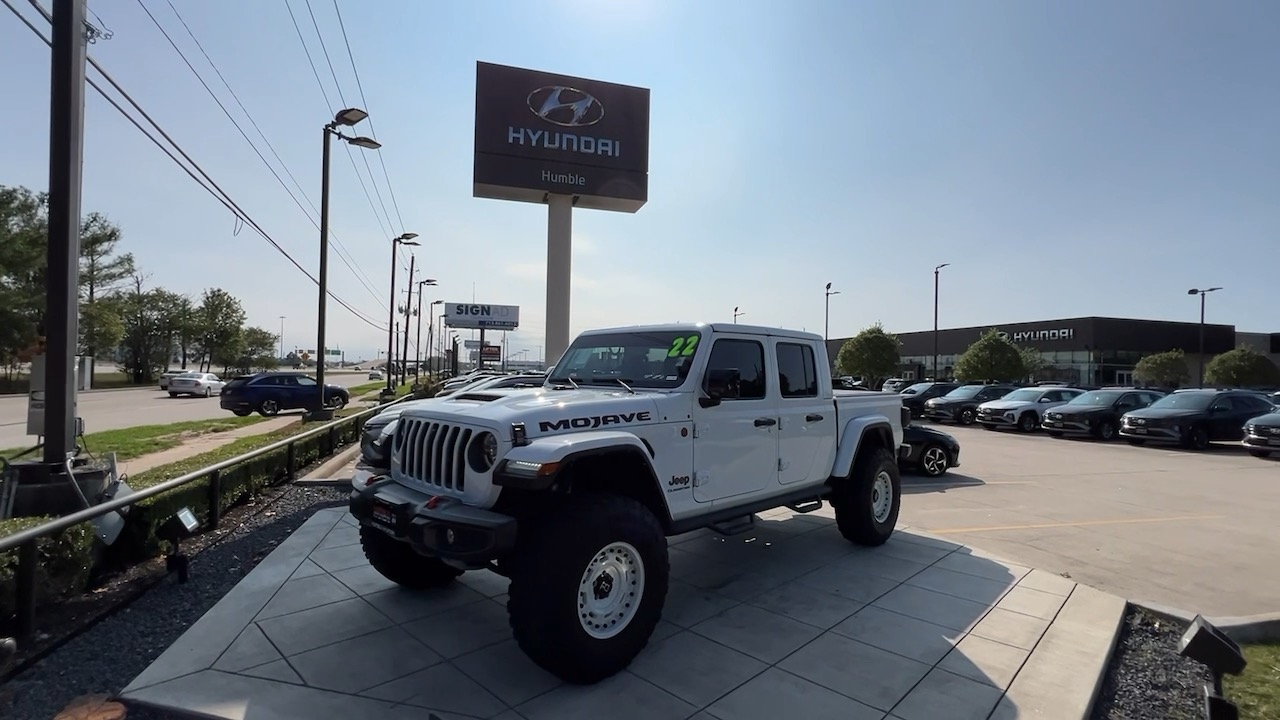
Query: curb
x: 1240, y: 628
x: 94, y: 390
x: 323, y: 475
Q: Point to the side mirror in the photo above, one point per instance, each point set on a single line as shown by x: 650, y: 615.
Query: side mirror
x: 1217, y: 409
x: 1045, y: 400
x: 718, y: 384
x: 709, y: 401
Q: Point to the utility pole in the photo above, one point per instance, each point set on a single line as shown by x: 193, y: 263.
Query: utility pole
x: 282, y: 338
x: 62, y: 294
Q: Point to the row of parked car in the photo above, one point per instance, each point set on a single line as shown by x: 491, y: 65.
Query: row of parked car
x: 1193, y: 417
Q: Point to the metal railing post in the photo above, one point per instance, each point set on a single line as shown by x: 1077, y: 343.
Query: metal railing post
x: 215, y: 499
x: 290, y: 462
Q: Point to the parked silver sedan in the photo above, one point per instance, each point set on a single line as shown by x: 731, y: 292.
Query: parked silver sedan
x: 195, y: 384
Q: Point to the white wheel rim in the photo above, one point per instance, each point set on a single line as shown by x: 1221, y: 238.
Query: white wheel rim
x: 934, y: 461
x: 611, y: 589
x: 881, y: 496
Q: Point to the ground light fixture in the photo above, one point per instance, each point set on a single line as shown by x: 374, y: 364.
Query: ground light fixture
x: 182, y: 524
x: 1211, y: 647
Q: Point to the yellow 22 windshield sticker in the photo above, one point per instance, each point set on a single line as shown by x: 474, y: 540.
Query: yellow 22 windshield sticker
x: 683, y: 346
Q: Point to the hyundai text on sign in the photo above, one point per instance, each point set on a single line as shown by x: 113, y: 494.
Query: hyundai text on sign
x: 476, y: 315
x: 539, y: 133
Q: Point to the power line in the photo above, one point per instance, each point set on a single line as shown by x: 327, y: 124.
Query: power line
x: 324, y: 47
x: 365, y: 103
x: 343, y: 254
x: 329, y: 108
x: 212, y: 187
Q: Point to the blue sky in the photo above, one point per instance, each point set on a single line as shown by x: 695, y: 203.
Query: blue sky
x: 1067, y: 159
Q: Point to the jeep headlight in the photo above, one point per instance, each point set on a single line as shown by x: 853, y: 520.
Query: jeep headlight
x: 483, y: 452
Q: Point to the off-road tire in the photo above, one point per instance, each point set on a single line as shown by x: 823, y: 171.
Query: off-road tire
x: 1028, y: 422
x: 544, y: 602
x: 400, y: 564
x: 854, y: 499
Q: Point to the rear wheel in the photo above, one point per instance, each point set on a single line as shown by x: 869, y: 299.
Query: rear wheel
x: 1106, y: 430
x: 1197, y: 438
x: 1028, y: 422
x: 934, y: 461
x: 867, y: 502
x: 966, y: 416
x: 400, y: 564
x: 587, y: 587
x: 269, y: 408
x: 208, y: 392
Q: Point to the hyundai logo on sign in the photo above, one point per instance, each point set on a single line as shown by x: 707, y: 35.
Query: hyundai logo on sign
x: 565, y: 106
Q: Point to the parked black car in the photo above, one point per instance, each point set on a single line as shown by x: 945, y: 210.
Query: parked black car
x: 1262, y: 435
x: 1194, y: 418
x: 932, y: 453
x: 961, y: 405
x: 268, y: 393
x: 1097, y: 413
x: 915, y: 396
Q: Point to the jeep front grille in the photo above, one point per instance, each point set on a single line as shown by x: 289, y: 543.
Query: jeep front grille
x: 433, y: 453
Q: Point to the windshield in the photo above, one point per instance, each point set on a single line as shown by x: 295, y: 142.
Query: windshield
x: 1096, y: 398
x: 1024, y: 395
x: 965, y: 391
x: 916, y: 389
x: 639, y: 359
x: 1184, y: 401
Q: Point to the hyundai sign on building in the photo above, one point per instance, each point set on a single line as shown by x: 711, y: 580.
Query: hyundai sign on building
x: 538, y: 133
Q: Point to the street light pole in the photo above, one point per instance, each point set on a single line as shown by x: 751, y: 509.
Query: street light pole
x: 1202, y: 293
x: 936, y: 271
x: 282, y: 338
x: 736, y: 314
x: 349, y: 117
x: 431, y: 322
x: 408, y: 312
x: 826, y: 326
x: 396, y: 242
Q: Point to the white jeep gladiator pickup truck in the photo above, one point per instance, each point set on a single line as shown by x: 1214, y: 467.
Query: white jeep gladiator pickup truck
x: 571, y: 489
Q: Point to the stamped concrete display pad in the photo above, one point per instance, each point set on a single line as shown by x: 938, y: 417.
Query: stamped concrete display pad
x: 788, y: 620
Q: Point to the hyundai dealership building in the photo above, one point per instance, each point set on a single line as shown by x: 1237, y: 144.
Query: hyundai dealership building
x: 1088, y: 350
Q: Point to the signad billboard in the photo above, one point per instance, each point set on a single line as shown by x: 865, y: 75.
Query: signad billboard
x: 539, y: 133
x: 477, y: 316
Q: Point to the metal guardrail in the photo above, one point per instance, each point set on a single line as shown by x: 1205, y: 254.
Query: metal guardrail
x: 25, y: 541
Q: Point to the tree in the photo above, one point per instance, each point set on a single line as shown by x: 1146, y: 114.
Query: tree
x: 871, y: 354
x: 1166, y: 369
x: 23, y: 233
x: 220, y: 326
x: 1032, y: 362
x: 146, y: 341
x: 991, y: 357
x: 102, y: 273
x: 259, y: 350
x: 101, y: 324
x: 1242, y: 367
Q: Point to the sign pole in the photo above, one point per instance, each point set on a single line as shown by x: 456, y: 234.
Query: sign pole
x: 559, y: 272
x: 480, y: 352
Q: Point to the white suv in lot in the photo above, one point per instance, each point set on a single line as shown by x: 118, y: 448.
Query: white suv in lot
x: 1024, y: 409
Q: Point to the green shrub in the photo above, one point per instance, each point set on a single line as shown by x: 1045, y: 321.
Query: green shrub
x: 64, y: 562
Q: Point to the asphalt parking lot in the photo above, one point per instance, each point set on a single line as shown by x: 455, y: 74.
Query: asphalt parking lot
x: 1191, y: 530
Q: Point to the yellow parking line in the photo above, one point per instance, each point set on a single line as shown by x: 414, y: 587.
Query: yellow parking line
x: 1081, y: 523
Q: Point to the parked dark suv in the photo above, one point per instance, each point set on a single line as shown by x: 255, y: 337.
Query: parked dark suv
x: 1097, y: 413
x: 915, y: 396
x: 961, y: 405
x: 268, y: 393
x: 1194, y: 418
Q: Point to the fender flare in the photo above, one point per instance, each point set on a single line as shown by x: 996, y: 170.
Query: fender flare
x: 538, y: 464
x: 858, y: 428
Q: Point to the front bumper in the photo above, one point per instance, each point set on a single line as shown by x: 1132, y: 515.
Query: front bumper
x: 936, y: 413
x: 1068, y: 426
x: 998, y: 419
x: 435, y: 526
x: 1268, y: 442
x: 1154, y: 434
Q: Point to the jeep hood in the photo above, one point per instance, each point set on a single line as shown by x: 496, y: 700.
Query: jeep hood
x: 602, y: 408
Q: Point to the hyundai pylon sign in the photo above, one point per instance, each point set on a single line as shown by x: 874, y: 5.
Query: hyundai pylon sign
x: 539, y: 133
x: 484, y: 317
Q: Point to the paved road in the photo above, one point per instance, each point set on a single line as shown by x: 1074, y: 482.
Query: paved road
x: 112, y: 409
x: 1191, y: 530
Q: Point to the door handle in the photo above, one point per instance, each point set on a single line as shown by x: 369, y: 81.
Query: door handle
x: 765, y: 422
x: 812, y: 417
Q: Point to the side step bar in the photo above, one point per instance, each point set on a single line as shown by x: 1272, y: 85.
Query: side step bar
x: 807, y: 506
x: 734, y: 526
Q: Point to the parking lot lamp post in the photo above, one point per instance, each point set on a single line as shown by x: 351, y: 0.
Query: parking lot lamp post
x: 826, y: 325
x: 349, y: 117
x: 396, y: 242
x: 936, y: 272
x: 736, y: 314
x: 417, y: 343
x: 1202, y: 293
x: 431, y: 321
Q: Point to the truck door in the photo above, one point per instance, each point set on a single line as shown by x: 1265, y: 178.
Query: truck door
x: 735, y: 447
x: 806, y: 416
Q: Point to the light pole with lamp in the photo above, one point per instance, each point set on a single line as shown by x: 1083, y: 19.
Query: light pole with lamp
x: 349, y: 117
x: 282, y: 338
x: 396, y: 242
x: 936, y: 271
x: 736, y: 314
x: 1202, y: 293
x: 408, y: 321
x: 417, y: 343
x: 826, y: 327
x: 431, y: 323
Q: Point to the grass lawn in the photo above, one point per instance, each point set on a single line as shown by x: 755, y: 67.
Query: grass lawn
x: 1257, y: 691
x: 129, y: 443
x: 358, y: 391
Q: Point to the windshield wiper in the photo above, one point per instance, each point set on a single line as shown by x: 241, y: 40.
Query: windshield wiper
x: 621, y: 382
x: 561, y: 381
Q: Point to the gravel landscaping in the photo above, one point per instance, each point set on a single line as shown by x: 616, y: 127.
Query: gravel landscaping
x: 110, y: 654
x: 1147, y: 678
